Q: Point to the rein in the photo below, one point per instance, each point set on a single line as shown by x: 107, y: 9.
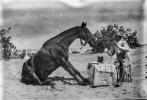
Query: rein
x: 83, y: 44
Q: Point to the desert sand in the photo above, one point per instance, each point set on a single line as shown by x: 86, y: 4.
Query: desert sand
x: 13, y: 89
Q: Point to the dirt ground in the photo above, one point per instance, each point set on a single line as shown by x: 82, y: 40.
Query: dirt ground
x: 13, y: 89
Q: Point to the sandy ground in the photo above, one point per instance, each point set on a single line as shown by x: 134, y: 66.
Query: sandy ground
x: 13, y: 89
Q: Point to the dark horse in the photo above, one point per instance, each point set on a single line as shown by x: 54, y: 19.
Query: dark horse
x: 52, y: 55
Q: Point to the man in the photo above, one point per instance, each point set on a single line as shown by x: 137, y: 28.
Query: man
x: 122, y: 60
x: 128, y: 33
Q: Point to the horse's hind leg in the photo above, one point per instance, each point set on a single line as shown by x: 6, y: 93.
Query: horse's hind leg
x: 28, y: 75
x: 36, y: 78
x: 47, y: 81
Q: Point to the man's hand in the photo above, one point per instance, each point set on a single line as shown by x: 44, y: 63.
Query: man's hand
x: 123, y: 50
x: 106, y: 50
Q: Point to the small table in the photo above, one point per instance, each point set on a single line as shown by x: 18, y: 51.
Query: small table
x: 102, y: 74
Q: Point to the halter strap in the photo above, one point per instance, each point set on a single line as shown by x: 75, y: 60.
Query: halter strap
x: 83, y: 44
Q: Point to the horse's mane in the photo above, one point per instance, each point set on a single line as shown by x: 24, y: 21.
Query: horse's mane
x: 66, y: 31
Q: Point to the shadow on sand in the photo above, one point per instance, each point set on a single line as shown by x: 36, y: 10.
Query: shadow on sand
x: 70, y: 81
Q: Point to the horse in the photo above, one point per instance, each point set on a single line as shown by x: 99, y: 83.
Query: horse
x: 123, y: 72
x: 54, y: 54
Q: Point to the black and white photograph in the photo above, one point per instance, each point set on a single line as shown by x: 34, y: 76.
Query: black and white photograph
x: 73, y: 49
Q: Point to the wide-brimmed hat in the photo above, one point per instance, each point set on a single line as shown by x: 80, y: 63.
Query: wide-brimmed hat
x: 128, y: 29
x: 120, y: 34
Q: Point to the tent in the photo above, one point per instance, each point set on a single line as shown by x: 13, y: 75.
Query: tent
x: 26, y: 57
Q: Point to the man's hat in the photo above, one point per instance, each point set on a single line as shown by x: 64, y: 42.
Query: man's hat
x: 128, y: 29
x: 121, y: 28
x: 120, y: 34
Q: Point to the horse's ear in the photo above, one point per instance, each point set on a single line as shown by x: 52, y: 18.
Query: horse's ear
x: 83, y: 24
x: 102, y: 57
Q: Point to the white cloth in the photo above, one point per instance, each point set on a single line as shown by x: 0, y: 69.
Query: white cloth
x: 102, y: 74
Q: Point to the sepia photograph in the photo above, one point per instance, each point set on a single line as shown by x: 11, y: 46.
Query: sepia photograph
x: 73, y: 49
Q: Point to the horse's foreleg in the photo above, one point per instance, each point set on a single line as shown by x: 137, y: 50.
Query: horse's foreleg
x: 72, y: 73
x: 85, y: 81
x: 68, y: 67
x: 76, y: 71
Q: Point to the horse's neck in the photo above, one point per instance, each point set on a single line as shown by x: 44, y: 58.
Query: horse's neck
x: 67, y: 37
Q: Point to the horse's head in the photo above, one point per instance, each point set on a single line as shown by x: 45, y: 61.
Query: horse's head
x: 86, y: 35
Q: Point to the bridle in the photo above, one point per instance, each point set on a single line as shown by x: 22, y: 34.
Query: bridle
x: 81, y: 33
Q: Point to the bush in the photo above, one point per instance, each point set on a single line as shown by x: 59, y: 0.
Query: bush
x: 106, y: 36
x: 6, y: 44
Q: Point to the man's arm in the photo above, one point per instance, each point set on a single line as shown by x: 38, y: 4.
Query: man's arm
x: 123, y: 46
x: 106, y: 51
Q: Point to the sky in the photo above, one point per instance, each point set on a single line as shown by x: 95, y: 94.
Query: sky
x: 73, y: 3
x: 27, y: 4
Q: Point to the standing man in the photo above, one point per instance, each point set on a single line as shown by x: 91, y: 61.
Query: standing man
x: 122, y: 60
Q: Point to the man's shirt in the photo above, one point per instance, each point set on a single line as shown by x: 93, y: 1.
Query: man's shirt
x: 123, y: 49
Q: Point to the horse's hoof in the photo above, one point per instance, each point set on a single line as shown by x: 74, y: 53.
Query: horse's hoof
x: 41, y: 84
x: 93, y: 86
x: 118, y: 84
x: 53, y: 87
x: 131, y: 80
x: 86, y: 82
